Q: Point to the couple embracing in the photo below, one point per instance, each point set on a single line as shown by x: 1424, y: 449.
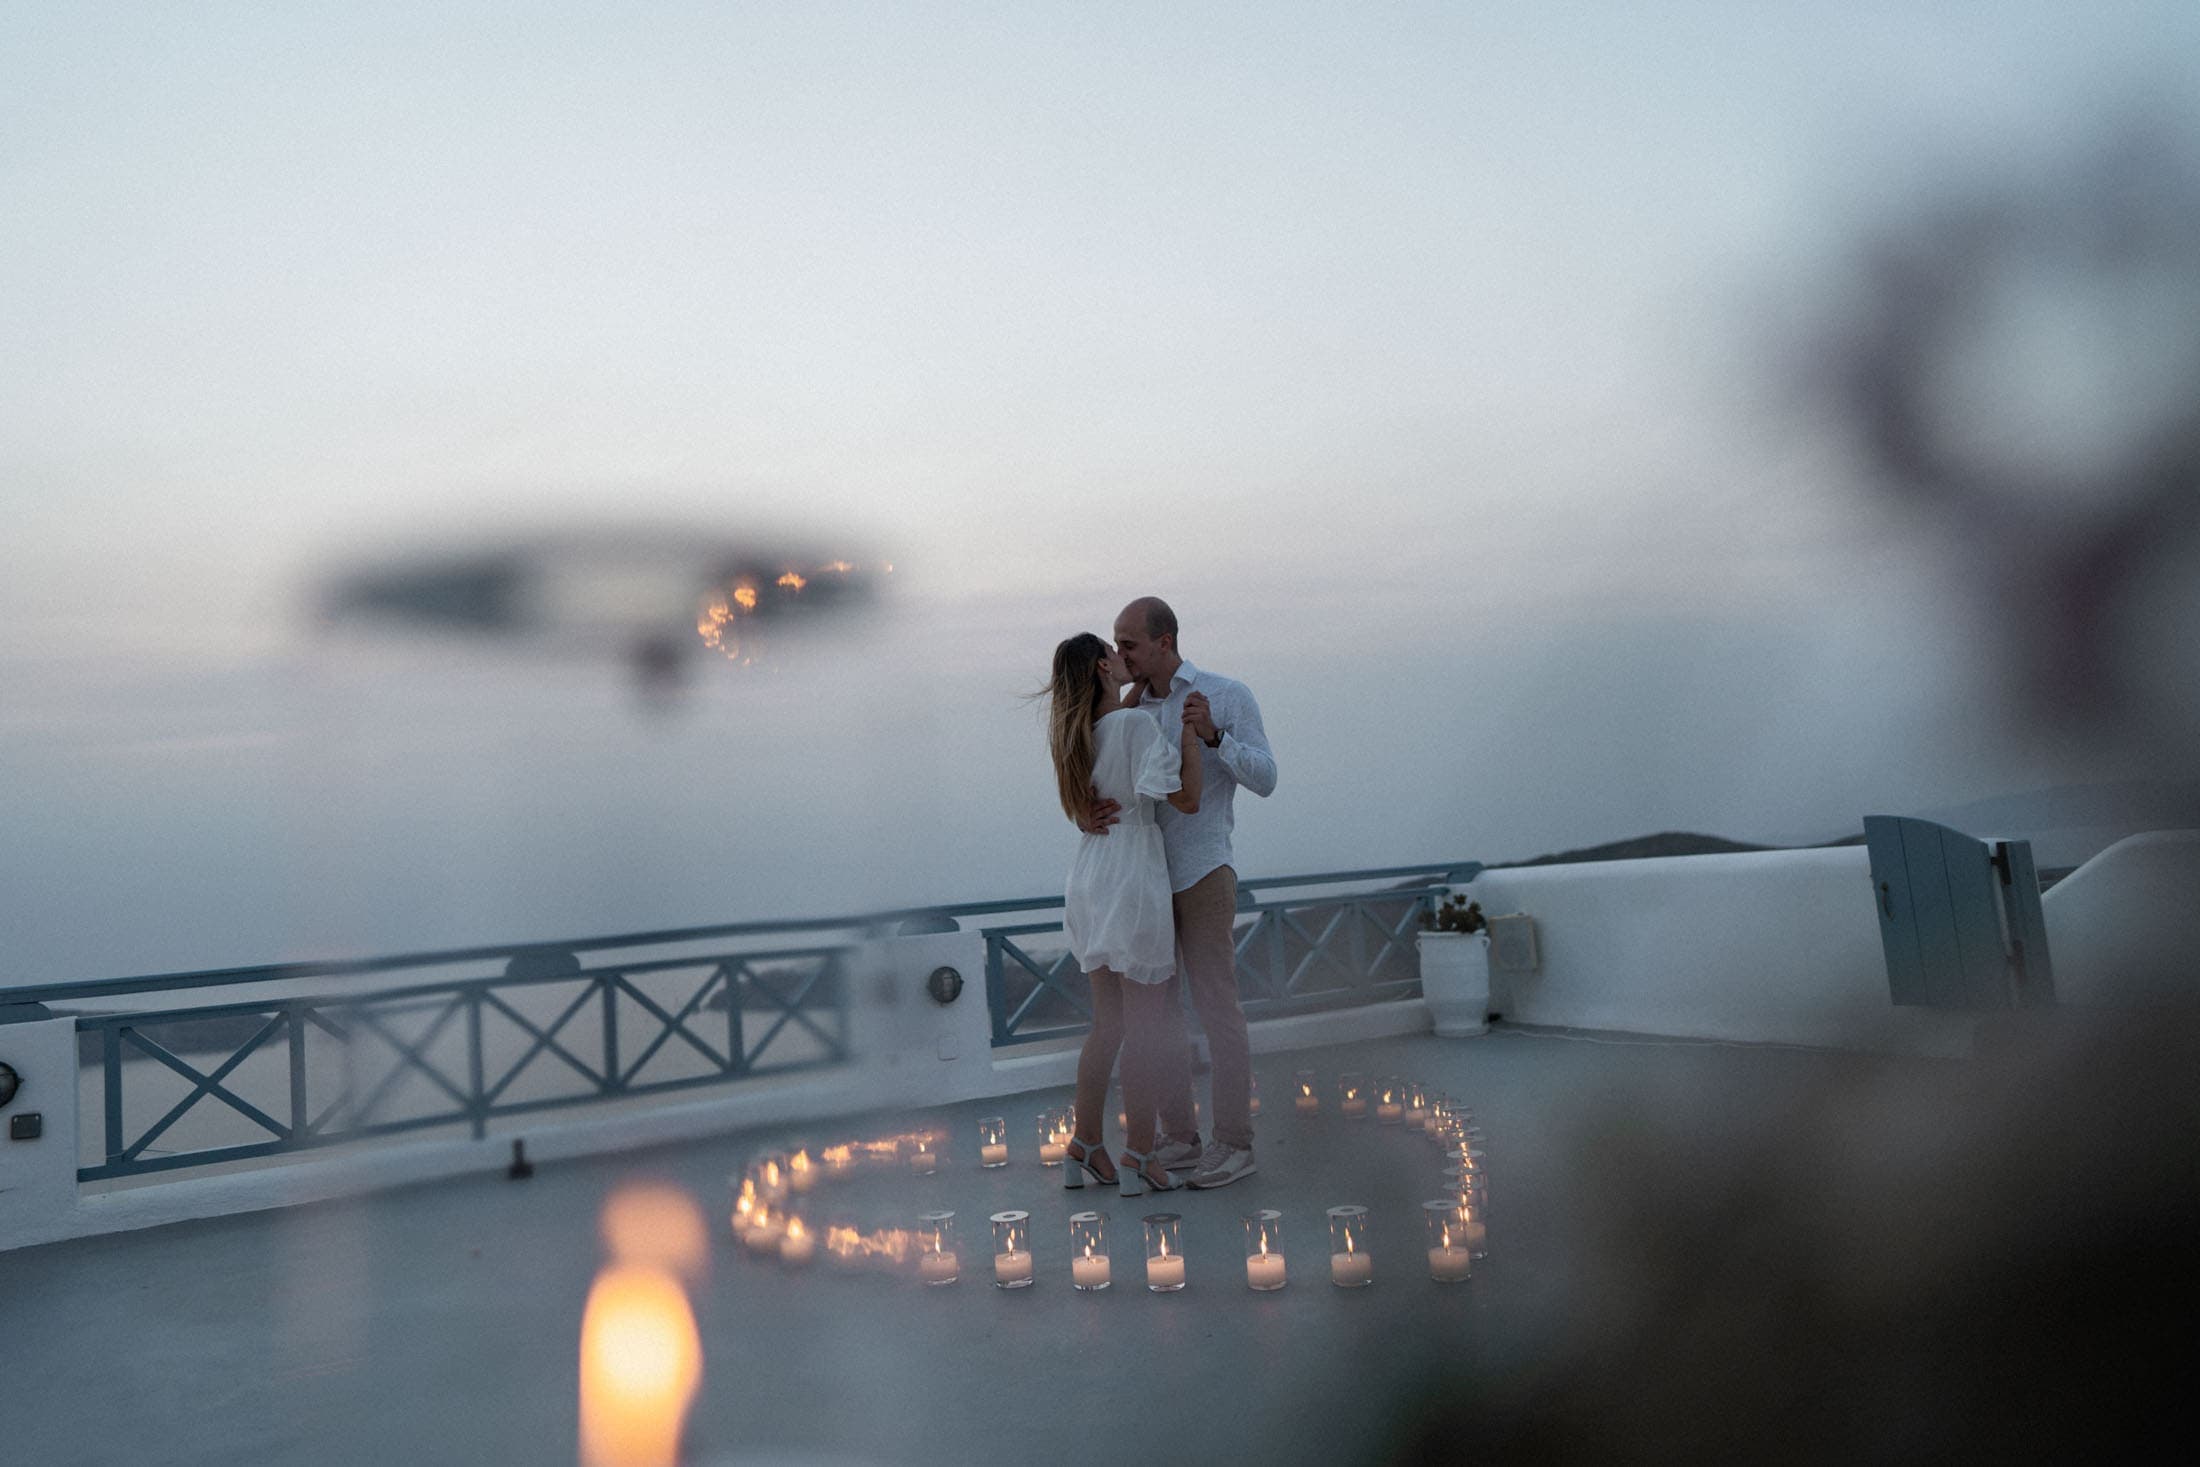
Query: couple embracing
x: 1149, y: 752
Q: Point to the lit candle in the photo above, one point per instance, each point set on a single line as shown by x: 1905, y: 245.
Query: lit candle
x: 763, y: 1233
x: 1350, y: 1267
x: 1089, y: 1271
x: 1354, y: 1107
x: 996, y: 1155
x: 1449, y: 1265
x: 641, y: 1360
x: 1308, y: 1105
x: 939, y: 1268
x: 797, y: 1246
x: 1389, y: 1112
x: 1264, y: 1271
x: 1012, y: 1268
x: 1052, y: 1153
x: 1302, y: 1086
x: 923, y: 1160
x: 1165, y: 1272
x: 801, y: 1174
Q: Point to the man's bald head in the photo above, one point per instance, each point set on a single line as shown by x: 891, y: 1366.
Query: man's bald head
x: 1151, y: 615
x: 1145, y: 633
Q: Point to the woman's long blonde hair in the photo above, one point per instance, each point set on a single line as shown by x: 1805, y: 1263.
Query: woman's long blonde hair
x: 1073, y: 696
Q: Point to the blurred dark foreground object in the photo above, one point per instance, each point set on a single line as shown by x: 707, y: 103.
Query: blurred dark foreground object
x: 1984, y: 1261
x: 655, y: 597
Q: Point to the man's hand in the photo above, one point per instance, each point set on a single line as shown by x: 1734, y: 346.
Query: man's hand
x: 1104, y: 814
x: 1199, y: 719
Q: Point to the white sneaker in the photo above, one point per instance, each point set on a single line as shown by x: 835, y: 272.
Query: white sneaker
x: 1223, y: 1164
x: 1178, y: 1156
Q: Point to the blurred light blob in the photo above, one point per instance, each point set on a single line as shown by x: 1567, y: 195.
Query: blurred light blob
x: 630, y: 593
x: 641, y: 1362
x: 656, y: 1226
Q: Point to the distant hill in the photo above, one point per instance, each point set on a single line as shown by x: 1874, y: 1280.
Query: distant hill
x: 1641, y: 847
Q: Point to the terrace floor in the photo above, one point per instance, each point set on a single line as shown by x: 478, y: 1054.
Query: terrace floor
x: 439, y: 1323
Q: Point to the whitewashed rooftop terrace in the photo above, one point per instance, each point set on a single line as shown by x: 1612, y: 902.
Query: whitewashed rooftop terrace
x: 439, y: 1323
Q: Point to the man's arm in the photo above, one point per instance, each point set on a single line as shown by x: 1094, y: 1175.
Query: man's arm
x: 1244, y: 747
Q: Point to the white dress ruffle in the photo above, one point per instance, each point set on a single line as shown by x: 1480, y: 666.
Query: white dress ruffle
x: 1118, y: 913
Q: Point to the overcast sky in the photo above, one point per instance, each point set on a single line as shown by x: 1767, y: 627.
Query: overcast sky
x: 1430, y: 357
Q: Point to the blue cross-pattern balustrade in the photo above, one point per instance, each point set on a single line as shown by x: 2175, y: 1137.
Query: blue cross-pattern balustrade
x: 234, y: 1064
x: 1305, y: 948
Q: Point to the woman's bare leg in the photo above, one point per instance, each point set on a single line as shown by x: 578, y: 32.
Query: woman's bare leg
x: 1149, y: 1024
x: 1094, y: 1062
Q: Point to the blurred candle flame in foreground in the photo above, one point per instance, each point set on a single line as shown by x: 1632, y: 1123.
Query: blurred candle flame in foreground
x: 641, y: 1356
x: 656, y: 1227
x: 641, y: 1360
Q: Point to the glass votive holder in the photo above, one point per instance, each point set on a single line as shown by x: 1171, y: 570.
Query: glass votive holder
x: 1416, y: 1105
x: 1264, y: 1272
x: 770, y: 1171
x: 839, y: 1160
x: 1390, y: 1100
x: 992, y: 1141
x: 1352, y: 1096
x: 1253, y: 1099
x: 1350, y: 1267
x: 923, y: 1160
x: 797, y: 1244
x: 1302, y: 1085
x: 1468, y: 1186
x: 844, y: 1244
x: 1053, y: 1132
x: 1450, y: 1224
x: 1439, y: 1111
x: 1164, y: 1252
x: 761, y: 1234
x: 744, y: 1202
x: 1088, y: 1250
x: 801, y: 1171
x: 937, y: 1262
x: 1012, y: 1268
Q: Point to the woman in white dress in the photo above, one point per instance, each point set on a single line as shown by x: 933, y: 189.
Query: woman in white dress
x: 1117, y: 917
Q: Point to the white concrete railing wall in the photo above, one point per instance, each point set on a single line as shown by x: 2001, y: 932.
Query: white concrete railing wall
x: 1765, y: 947
x: 38, y: 1178
x: 2119, y: 928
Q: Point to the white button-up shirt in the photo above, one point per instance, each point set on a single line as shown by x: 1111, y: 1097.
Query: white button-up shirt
x: 1198, y: 844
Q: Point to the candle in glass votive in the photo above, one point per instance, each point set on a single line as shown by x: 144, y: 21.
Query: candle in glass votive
x: 1390, y: 1103
x: 924, y: 1160
x: 796, y: 1245
x: 1352, y: 1096
x: 1264, y: 1270
x: 1350, y: 1267
x: 801, y: 1172
x: 1302, y: 1085
x: 992, y: 1141
x: 770, y: 1171
x: 1054, y: 1130
x: 1253, y: 1101
x: 1012, y: 1250
x: 1164, y: 1252
x: 763, y: 1230
x: 937, y: 1262
x: 1450, y: 1252
x: 1088, y: 1245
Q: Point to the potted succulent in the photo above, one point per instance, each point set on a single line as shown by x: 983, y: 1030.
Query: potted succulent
x: 1455, y: 967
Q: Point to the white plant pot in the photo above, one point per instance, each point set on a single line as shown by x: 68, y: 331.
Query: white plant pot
x: 1455, y: 981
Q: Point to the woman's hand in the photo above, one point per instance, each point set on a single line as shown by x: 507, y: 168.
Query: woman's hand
x: 1105, y: 812
x: 1198, y: 719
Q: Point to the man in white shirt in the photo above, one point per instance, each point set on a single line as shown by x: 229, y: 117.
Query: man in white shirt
x: 1203, y: 876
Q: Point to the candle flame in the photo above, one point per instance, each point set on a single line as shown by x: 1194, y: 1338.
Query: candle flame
x: 744, y: 596
x: 641, y: 1360
x: 794, y: 1227
x: 792, y: 581
x: 836, y: 567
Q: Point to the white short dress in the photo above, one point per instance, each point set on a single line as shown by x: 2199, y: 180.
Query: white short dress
x: 1118, y: 913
